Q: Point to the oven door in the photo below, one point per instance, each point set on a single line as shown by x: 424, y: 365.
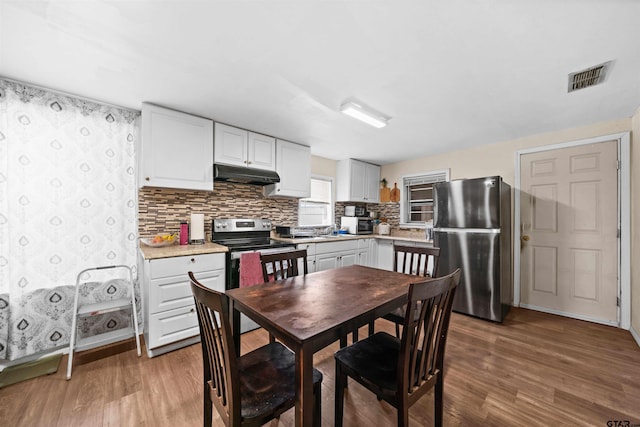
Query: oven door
x: 233, y: 278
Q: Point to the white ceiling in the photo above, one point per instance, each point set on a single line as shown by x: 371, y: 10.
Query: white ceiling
x: 452, y: 74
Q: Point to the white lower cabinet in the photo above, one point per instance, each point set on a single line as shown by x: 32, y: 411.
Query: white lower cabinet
x: 171, y: 326
x: 385, y: 254
x: 171, y: 321
x: 327, y: 255
x: 311, y: 255
x: 335, y: 260
x: 363, y: 255
x: 335, y: 254
x: 384, y: 251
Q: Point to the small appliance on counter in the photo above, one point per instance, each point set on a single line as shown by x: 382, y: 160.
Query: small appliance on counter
x: 384, y: 228
x: 291, y: 232
x: 357, y: 225
x: 357, y: 211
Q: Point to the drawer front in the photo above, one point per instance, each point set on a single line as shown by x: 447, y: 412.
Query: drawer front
x: 364, y: 243
x: 169, y: 294
x: 346, y: 245
x: 176, y: 266
x: 173, y: 325
x: 310, y: 247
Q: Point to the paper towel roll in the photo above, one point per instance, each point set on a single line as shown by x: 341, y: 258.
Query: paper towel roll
x: 196, y: 229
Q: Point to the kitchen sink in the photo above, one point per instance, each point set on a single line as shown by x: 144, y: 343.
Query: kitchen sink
x: 330, y: 236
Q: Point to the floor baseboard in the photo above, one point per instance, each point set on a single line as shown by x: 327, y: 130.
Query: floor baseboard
x: 635, y: 335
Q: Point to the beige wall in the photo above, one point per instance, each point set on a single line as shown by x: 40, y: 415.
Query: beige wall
x: 635, y: 221
x: 323, y: 166
x: 499, y: 159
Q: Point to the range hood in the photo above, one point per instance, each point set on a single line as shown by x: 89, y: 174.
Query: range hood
x: 244, y: 175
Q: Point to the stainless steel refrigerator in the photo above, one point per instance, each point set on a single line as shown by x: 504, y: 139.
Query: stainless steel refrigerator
x: 472, y: 228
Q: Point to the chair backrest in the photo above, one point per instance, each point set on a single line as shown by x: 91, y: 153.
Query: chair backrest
x: 218, y: 350
x: 281, y: 265
x: 424, y: 336
x: 415, y: 260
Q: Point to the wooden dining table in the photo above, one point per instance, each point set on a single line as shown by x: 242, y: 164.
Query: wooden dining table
x: 309, y: 312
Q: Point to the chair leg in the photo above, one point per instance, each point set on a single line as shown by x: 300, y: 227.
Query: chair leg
x: 339, y: 399
x: 371, y: 328
x: 355, y: 335
x: 403, y: 416
x: 208, y: 408
x: 438, y: 401
x: 272, y: 339
x: 397, y: 330
x: 317, y: 404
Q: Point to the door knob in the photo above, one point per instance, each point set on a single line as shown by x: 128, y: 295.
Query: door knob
x: 526, y: 238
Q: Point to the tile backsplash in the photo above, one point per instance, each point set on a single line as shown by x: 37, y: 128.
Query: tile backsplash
x: 162, y: 209
x: 390, y: 211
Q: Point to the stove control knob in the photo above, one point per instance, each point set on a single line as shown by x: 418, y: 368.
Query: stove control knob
x: 224, y: 225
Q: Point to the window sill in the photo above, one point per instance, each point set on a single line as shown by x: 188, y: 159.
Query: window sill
x: 417, y: 225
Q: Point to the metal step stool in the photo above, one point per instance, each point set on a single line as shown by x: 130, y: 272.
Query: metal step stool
x: 94, y: 309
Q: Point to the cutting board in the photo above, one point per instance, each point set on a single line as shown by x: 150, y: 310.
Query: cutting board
x: 395, y: 193
x: 385, y: 194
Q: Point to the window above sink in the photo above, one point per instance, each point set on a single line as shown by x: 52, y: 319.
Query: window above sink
x: 317, y: 210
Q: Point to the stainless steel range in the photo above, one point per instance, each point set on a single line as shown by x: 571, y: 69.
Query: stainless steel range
x: 242, y: 235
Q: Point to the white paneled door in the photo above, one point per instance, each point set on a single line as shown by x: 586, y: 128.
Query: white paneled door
x: 569, y: 226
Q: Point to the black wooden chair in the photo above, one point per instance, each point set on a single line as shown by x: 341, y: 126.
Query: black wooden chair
x: 249, y: 390
x: 400, y: 371
x: 283, y: 264
x: 411, y: 260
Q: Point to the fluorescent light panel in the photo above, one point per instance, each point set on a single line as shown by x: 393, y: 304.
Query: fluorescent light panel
x: 360, y: 112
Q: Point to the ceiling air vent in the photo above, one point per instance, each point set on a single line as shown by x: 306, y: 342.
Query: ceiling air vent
x: 589, y: 77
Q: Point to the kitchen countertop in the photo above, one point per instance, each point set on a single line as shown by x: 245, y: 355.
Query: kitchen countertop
x: 181, y: 250
x: 323, y: 239
x: 211, y: 248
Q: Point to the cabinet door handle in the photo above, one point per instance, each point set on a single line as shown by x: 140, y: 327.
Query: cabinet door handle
x: 147, y: 179
x: 248, y: 162
x: 193, y: 260
x: 192, y: 310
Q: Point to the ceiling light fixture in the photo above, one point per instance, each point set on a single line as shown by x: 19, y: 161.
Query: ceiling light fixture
x: 359, y: 111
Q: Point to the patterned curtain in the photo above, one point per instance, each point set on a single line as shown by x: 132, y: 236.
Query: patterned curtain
x: 67, y: 202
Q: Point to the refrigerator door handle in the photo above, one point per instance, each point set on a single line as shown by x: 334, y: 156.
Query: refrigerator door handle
x: 468, y: 230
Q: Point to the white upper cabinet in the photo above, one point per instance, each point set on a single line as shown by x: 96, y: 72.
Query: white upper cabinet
x: 239, y: 147
x: 176, y: 150
x: 261, y: 153
x: 357, y: 181
x: 293, y: 165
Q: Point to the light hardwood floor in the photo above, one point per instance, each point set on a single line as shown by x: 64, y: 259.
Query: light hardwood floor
x: 535, y: 369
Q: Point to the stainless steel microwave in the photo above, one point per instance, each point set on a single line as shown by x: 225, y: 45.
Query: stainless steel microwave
x: 357, y: 225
